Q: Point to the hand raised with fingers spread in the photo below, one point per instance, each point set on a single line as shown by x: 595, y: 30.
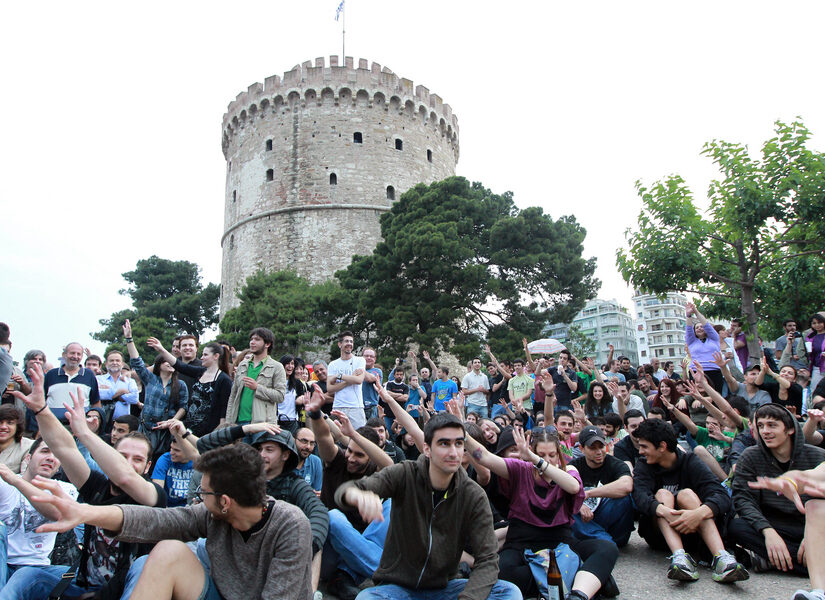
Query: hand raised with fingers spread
x: 720, y: 360
x: 155, y: 344
x: 316, y: 399
x: 344, y: 423
x: 521, y: 443
x: 127, y: 329
x: 76, y: 414
x: 36, y: 400
x: 71, y: 512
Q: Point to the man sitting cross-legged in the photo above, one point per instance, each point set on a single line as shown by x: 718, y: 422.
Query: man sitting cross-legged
x: 678, y: 497
x: 257, y: 547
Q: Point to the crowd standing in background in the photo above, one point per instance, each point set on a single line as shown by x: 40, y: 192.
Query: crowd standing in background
x: 240, y: 475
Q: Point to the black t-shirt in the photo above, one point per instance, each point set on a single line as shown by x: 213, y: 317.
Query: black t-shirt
x: 794, y: 395
x: 820, y: 389
x: 625, y: 451
x: 188, y: 379
x: 395, y: 388
x: 497, y: 395
x: 108, y: 558
x: 610, y: 471
x: 335, y: 474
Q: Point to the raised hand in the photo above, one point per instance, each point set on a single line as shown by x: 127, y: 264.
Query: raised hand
x: 253, y: 428
x: 781, y: 485
x: 155, y: 344
x: 613, y: 388
x: 578, y: 411
x: 127, y: 329
x: 426, y: 356
x: 70, y: 511
x: 522, y: 445
x: 344, y: 423
x: 316, y: 399
x: 720, y: 360
x: 76, y: 414
x: 36, y: 400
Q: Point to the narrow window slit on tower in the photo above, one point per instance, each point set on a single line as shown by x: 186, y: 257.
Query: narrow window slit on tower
x: 399, y: 145
x: 429, y: 155
x: 390, y: 193
x: 268, y: 145
x: 333, y: 179
x: 270, y: 174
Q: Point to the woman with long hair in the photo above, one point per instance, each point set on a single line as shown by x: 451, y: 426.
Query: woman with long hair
x: 210, y: 392
x: 703, y: 342
x: 544, y: 495
x: 165, y: 395
x: 599, y: 401
x: 295, y: 396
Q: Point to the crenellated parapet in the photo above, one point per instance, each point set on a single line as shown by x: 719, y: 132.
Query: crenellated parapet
x: 369, y: 85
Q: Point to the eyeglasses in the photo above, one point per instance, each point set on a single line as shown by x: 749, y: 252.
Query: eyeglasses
x: 551, y: 429
x: 307, y: 442
x: 200, y: 493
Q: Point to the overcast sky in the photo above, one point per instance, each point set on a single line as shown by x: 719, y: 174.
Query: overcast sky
x: 111, y: 147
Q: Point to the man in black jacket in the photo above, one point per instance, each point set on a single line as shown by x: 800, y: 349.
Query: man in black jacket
x: 769, y: 526
x: 678, y: 496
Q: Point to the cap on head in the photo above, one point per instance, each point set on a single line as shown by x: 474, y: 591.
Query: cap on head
x: 590, y: 435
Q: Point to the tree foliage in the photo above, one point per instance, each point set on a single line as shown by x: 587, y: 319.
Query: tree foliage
x: 579, y: 344
x: 295, y: 310
x: 756, y: 251
x: 457, y: 264
x: 168, y: 299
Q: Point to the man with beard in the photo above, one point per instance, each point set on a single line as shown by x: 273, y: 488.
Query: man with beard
x: 343, y: 566
x: 256, y: 547
x: 105, y: 564
x: 260, y: 383
x: 372, y: 375
x: 20, y: 516
x: 344, y: 379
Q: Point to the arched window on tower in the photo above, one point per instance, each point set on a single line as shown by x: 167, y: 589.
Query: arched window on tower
x: 357, y: 138
x: 399, y: 145
x: 390, y: 193
x: 333, y: 179
x: 270, y: 174
x: 268, y: 145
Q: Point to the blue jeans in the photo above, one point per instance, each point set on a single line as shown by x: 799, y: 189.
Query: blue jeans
x: 612, y: 521
x: 357, y: 553
x: 481, y: 411
x: 371, y: 411
x: 502, y: 590
x: 36, y: 583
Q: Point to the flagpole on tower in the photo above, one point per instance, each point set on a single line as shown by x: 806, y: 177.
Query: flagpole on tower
x: 340, y: 12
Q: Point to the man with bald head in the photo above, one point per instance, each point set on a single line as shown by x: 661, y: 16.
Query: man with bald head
x: 309, y: 467
x: 70, y: 378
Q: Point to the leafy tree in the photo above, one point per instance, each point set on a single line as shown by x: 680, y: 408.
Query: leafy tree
x: 758, y: 245
x: 168, y: 299
x: 295, y: 310
x: 578, y: 343
x: 458, y: 262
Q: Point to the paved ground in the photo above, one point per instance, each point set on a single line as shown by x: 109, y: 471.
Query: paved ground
x: 641, y: 573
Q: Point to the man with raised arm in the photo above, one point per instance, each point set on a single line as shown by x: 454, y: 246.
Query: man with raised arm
x: 257, y: 547
x: 105, y: 562
x: 353, y: 547
x: 344, y: 378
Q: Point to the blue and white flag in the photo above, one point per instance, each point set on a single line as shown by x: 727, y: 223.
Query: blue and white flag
x: 339, y: 10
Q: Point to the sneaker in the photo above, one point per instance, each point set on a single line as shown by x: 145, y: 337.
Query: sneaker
x: 727, y: 570
x: 682, y: 568
x: 318, y: 595
x: 759, y: 563
x: 812, y: 595
x: 343, y: 586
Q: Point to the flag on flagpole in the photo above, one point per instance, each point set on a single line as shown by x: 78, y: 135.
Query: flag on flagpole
x: 339, y: 10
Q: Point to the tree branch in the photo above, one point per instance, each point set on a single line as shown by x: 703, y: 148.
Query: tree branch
x: 773, y: 263
x: 724, y: 279
x: 719, y: 294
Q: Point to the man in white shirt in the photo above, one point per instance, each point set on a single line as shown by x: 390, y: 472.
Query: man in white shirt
x: 623, y: 400
x: 20, y: 517
x: 344, y: 378
x: 476, y: 387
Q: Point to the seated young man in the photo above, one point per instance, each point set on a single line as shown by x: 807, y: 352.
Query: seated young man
x: 106, y: 565
x: 627, y: 448
x: 678, y: 497
x: 20, y: 544
x: 437, y: 508
x: 769, y: 526
x: 173, y: 472
x: 806, y: 490
x: 256, y: 547
x: 607, y: 512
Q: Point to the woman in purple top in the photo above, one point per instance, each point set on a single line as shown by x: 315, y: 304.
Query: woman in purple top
x: 702, y: 342
x: 544, y: 495
x: 817, y: 351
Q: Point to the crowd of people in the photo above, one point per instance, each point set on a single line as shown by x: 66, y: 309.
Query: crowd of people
x: 234, y: 475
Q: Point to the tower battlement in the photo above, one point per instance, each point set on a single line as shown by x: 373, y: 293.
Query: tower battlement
x: 370, y: 84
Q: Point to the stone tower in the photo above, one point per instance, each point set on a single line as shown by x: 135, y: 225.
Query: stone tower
x: 315, y: 157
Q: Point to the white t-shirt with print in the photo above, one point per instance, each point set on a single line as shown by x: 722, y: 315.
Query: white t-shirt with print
x: 350, y: 396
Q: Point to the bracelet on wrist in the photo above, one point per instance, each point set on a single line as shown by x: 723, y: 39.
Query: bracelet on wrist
x: 186, y: 434
x: 129, y: 340
x: 314, y: 414
x: 44, y: 407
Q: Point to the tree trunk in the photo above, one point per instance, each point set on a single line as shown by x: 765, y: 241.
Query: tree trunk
x: 749, y: 314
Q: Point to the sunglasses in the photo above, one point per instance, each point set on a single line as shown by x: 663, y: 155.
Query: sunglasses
x: 550, y: 429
